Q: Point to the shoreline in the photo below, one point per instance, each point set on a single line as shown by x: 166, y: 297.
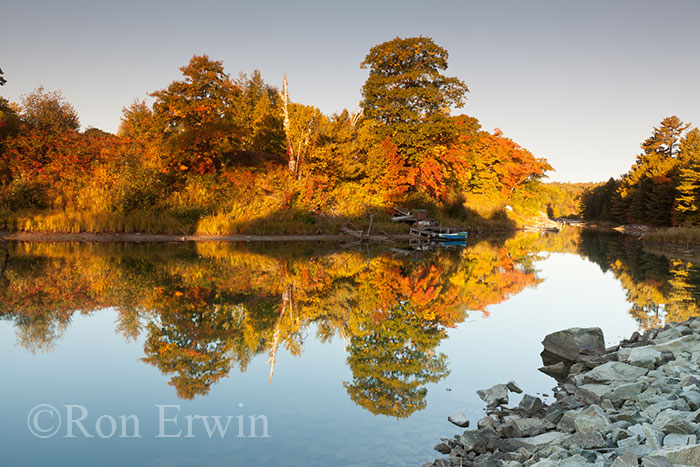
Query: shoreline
x: 638, y: 401
x: 141, y: 237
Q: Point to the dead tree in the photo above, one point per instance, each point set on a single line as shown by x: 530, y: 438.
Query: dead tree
x: 295, y: 156
x: 284, y: 95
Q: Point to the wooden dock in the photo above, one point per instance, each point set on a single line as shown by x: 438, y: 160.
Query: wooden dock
x: 432, y: 231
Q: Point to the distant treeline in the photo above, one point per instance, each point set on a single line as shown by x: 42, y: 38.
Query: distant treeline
x: 215, y: 154
x: 662, y: 188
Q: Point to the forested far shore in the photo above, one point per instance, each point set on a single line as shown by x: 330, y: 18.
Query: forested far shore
x: 662, y: 188
x: 217, y: 155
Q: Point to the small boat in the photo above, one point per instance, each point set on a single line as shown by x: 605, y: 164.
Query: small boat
x: 452, y: 236
x: 453, y: 243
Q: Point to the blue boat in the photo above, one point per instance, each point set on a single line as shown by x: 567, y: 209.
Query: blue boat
x: 452, y: 236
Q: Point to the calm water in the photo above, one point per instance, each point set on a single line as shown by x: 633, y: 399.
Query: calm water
x: 349, y: 357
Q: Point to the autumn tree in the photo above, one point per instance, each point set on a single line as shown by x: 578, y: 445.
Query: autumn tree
x: 198, y: 117
x: 406, y: 88
x: 665, y: 137
x: 647, y: 192
x: 9, y: 119
x: 137, y: 121
x: 688, y: 201
x: 261, y: 119
x: 407, y: 99
x: 49, y: 112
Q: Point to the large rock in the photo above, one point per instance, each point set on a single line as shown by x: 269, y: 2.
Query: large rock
x: 577, y: 460
x: 673, y: 421
x: 525, y: 427
x: 675, y: 439
x: 540, y: 440
x: 692, y: 397
x: 594, y: 392
x: 591, y: 419
x: 459, y: 419
x: 625, y: 392
x: 613, y: 371
x: 654, y: 436
x: 574, y: 344
x: 530, y: 404
x: 478, y: 440
x: 566, y: 423
x: 683, y: 455
x: 626, y: 460
x: 656, y: 461
x: 645, y: 357
x: 442, y: 448
x: 558, y: 371
x: 494, y: 396
x: 588, y: 440
x: 677, y: 346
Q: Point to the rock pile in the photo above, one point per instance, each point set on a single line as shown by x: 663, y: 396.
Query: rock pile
x: 637, y: 403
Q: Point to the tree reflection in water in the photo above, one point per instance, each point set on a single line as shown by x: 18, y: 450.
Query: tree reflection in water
x: 206, y: 308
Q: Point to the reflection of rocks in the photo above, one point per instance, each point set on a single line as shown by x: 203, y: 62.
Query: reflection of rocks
x: 637, y: 403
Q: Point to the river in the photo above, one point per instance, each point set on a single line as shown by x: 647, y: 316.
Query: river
x: 213, y: 354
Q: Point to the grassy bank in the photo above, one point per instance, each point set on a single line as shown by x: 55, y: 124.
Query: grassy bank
x: 675, y: 235
x: 280, y: 222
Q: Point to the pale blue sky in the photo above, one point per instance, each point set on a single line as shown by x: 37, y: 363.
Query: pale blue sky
x: 581, y: 83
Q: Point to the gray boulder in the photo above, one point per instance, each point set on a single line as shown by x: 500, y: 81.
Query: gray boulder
x: 495, y: 395
x: 654, y: 436
x: 692, y: 397
x: 645, y: 357
x: 613, y: 371
x: 656, y: 461
x: 459, y: 419
x: 625, y: 391
x: 575, y: 344
x: 588, y: 440
x: 629, y: 459
x: 558, y: 371
x: 673, y: 421
x: 566, y: 423
x: 525, y: 427
x: 591, y: 419
x: 676, y: 439
x: 551, y: 437
x: 442, y: 448
x: 513, y: 387
x: 683, y: 455
x: 530, y: 404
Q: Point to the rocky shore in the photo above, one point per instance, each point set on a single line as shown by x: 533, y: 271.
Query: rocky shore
x: 637, y: 403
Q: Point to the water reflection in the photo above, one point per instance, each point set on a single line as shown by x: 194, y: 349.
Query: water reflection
x: 659, y: 289
x: 207, y: 308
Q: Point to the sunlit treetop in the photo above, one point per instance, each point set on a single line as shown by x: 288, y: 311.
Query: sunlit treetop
x: 406, y: 84
x: 665, y: 137
x: 49, y: 111
x: 197, y: 116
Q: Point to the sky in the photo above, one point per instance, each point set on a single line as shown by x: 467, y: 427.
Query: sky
x: 581, y: 83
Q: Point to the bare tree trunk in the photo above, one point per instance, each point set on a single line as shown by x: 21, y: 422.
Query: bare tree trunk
x: 355, y: 117
x: 284, y: 94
